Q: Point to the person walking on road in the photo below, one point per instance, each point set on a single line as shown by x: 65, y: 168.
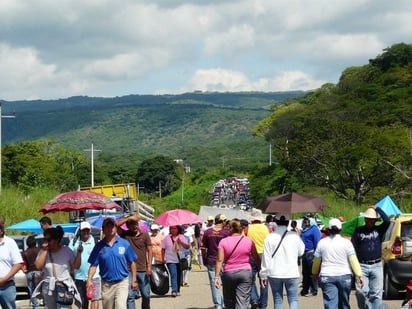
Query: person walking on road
x: 367, y: 241
x: 336, y: 259
x: 210, y: 242
x: 10, y: 264
x: 113, y: 254
x: 142, y: 246
x: 85, y: 244
x: 310, y: 235
x: 281, y: 251
x: 173, y: 247
x: 257, y: 231
x: 235, y: 252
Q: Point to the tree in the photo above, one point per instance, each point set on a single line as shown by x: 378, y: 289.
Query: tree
x: 350, y: 138
x: 42, y: 164
x: 158, y: 170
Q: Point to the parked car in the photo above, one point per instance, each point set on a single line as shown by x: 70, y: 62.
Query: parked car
x: 20, y: 277
x: 397, y: 256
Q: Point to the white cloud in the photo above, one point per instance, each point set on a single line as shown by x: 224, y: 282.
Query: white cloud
x: 226, y: 80
x: 55, y: 49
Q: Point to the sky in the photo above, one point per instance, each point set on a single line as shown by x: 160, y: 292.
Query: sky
x: 51, y: 49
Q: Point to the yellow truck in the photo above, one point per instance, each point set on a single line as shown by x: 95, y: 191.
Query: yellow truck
x: 125, y: 195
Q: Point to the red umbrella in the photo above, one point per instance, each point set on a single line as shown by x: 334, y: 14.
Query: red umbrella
x: 178, y: 217
x: 79, y: 200
x: 290, y: 203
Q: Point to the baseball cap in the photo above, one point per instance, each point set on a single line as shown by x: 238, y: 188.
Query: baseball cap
x: 154, y: 226
x: 108, y: 221
x: 210, y: 218
x: 335, y: 223
x: 220, y: 218
x: 85, y: 225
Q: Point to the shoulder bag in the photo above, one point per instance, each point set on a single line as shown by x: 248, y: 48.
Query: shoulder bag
x: 63, y: 295
x: 184, y: 263
x: 234, y: 248
x: 277, y: 247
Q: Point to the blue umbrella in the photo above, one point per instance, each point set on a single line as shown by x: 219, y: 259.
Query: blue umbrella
x: 99, y: 221
x: 33, y: 226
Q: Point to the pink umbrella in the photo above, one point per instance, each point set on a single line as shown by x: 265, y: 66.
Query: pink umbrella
x: 178, y: 217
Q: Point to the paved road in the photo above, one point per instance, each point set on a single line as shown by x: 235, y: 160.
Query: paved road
x: 198, y: 296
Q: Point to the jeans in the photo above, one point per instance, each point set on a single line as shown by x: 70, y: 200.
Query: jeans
x: 336, y: 291
x: 175, y: 276
x: 8, y: 295
x: 262, y: 301
x: 308, y: 285
x: 216, y: 293
x: 31, y: 277
x: 143, y: 284
x: 291, y: 285
x: 372, y: 286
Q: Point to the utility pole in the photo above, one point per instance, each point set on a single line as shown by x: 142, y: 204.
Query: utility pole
x: 270, y: 154
x: 92, y: 150
x: 1, y: 116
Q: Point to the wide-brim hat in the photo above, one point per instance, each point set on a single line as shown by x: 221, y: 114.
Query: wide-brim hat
x: 370, y: 213
x: 256, y: 215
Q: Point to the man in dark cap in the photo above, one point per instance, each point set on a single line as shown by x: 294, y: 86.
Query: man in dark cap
x: 10, y: 264
x: 210, y: 242
x: 113, y: 254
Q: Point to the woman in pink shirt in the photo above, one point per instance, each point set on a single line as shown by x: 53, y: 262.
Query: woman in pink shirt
x: 234, y: 252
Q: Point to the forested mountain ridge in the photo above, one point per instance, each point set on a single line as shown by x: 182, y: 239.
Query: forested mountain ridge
x: 355, y: 137
x: 200, y: 127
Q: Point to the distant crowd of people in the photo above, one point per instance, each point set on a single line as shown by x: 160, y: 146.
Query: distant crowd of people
x: 242, y: 257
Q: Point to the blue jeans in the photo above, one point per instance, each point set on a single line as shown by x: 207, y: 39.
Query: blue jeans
x: 336, y: 291
x: 291, y: 285
x: 372, y: 286
x: 31, y: 277
x: 262, y: 301
x: 175, y: 276
x: 143, y: 284
x: 8, y: 295
x: 216, y: 293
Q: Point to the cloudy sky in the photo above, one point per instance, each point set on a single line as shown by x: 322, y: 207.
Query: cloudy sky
x: 60, y: 48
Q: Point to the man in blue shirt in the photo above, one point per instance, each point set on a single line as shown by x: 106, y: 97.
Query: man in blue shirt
x: 310, y: 236
x: 367, y: 241
x: 112, y: 254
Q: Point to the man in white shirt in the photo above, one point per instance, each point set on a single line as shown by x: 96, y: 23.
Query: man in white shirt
x: 10, y: 264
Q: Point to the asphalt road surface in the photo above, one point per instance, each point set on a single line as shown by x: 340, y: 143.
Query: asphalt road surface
x: 198, y: 296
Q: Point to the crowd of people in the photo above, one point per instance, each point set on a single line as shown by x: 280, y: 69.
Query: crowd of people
x: 242, y: 257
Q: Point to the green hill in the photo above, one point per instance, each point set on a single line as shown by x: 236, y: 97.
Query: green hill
x: 206, y: 129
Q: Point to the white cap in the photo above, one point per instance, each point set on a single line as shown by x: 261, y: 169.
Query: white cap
x: 154, y: 226
x: 85, y: 225
x: 335, y: 222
